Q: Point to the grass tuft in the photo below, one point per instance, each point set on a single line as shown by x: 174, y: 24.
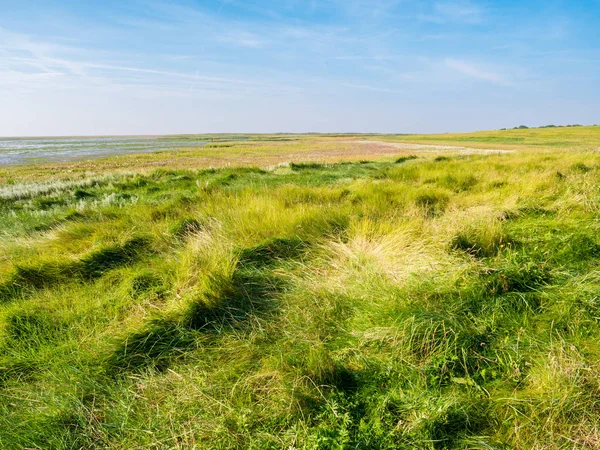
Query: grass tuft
x: 185, y: 227
x: 432, y: 203
x: 482, y: 240
x: 306, y: 166
x: 98, y: 262
x: 153, y: 347
x: 271, y: 251
x: 518, y: 274
x: 403, y: 159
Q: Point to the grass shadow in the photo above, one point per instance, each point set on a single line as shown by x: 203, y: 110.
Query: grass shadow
x: 26, y: 279
x: 229, y: 303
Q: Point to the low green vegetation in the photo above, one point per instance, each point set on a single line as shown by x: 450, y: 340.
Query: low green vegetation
x: 416, y: 301
x: 566, y: 138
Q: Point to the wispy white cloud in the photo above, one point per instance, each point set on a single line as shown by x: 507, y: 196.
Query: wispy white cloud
x: 183, y: 75
x: 28, y: 64
x: 460, y: 11
x: 374, y: 9
x: 242, y: 38
x: 474, y: 71
x: 365, y: 9
x: 367, y: 87
x: 364, y: 58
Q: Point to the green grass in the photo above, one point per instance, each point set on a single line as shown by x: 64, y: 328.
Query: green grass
x: 579, y: 137
x: 413, y: 302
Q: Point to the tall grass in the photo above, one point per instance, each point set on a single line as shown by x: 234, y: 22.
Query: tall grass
x: 416, y: 303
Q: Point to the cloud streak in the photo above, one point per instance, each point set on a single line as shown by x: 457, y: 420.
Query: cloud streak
x: 475, y: 72
x: 29, y: 64
x: 454, y: 12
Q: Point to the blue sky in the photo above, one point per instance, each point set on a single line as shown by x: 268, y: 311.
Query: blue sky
x: 81, y: 67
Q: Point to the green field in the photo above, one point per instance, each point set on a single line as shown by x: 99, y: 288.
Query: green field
x: 308, y: 292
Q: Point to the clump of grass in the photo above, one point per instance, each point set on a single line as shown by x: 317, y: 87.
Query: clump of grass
x: 306, y: 166
x: 153, y: 347
x: 17, y: 371
x: 40, y: 276
x: 271, y: 251
x: 580, y: 247
x: 580, y: 167
x: 45, y: 203
x: 482, y: 240
x: 185, y: 227
x: 527, y: 211
x: 229, y: 300
x: 431, y: 202
x: 147, y: 283
x: 219, y: 182
x: 31, y: 327
x: 518, y: 274
x: 455, y: 423
x: 98, y: 262
x: 459, y: 183
x: 80, y: 194
x: 322, y: 370
x: 403, y: 159
x: 27, y: 279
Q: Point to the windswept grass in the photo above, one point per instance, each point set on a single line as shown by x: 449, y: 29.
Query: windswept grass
x: 420, y: 301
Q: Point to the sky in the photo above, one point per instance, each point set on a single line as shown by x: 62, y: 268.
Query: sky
x: 83, y: 67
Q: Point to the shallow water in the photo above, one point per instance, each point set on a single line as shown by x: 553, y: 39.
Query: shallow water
x: 22, y: 151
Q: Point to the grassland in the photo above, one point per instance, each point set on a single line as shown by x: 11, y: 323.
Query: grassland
x: 317, y: 292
